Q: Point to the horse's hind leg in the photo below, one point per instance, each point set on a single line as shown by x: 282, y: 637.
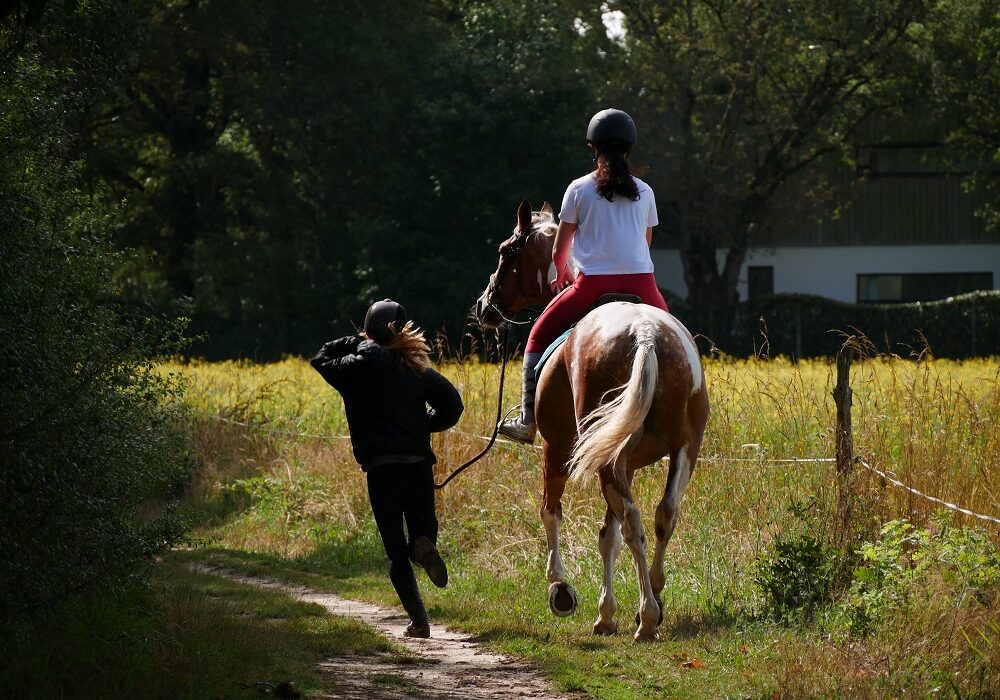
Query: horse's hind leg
x: 618, y: 495
x: 681, y: 465
x: 562, y: 597
x: 610, y: 544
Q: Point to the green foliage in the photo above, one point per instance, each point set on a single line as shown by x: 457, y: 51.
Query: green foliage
x: 286, y: 168
x: 962, y: 50
x: 796, y: 577
x: 798, y: 573
x: 748, y: 98
x: 800, y: 326
x: 187, y: 635
x: 90, y: 450
x: 902, y: 566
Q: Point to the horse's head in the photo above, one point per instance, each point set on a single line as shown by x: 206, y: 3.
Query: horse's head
x: 524, y: 270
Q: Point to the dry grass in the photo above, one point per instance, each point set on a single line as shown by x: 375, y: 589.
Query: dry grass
x: 931, y: 423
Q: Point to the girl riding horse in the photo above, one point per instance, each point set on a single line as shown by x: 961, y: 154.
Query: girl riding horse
x: 607, y: 220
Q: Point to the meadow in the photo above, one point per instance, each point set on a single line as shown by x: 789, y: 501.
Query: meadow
x: 766, y: 595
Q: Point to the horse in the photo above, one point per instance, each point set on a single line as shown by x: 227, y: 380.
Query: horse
x: 626, y: 389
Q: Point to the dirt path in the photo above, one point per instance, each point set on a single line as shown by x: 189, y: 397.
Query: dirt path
x: 458, y: 667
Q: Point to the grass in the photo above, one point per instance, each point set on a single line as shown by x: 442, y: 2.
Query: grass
x: 188, y: 635
x: 268, y: 499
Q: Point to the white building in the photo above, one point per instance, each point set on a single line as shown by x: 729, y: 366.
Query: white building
x: 909, y: 234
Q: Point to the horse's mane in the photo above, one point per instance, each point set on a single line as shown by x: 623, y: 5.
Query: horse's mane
x: 544, y: 222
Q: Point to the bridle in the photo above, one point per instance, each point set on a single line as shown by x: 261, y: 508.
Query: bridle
x: 509, y: 254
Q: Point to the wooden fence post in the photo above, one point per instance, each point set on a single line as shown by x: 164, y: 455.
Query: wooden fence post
x: 842, y: 396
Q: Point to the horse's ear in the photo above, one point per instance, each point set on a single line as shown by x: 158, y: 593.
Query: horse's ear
x: 524, y: 217
x: 546, y: 209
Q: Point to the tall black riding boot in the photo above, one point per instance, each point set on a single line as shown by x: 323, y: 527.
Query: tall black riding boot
x: 522, y: 428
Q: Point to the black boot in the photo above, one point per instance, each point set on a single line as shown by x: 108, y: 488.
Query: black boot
x: 403, y: 580
x: 420, y: 630
x: 427, y: 556
x: 522, y: 428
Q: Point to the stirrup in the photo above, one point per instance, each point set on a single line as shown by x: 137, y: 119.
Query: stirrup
x: 518, y: 431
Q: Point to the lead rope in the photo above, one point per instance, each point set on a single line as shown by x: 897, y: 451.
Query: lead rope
x: 496, y: 429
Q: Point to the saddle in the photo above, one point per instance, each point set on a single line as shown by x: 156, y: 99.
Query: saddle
x: 601, y: 300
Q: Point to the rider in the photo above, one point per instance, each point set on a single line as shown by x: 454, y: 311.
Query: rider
x: 607, y: 219
x: 387, y: 383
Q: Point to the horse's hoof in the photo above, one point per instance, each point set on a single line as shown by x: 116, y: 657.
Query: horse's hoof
x: 650, y: 636
x: 659, y: 619
x: 562, y: 599
x: 605, y: 629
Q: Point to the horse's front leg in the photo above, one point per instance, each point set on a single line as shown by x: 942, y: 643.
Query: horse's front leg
x: 618, y: 495
x: 610, y: 545
x: 562, y: 597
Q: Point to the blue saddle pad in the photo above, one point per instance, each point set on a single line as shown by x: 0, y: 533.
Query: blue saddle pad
x: 551, y: 349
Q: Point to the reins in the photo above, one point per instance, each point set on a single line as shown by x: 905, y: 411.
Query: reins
x: 496, y: 429
x: 507, y: 254
x: 511, y: 321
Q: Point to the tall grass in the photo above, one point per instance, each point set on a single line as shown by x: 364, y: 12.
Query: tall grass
x: 266, y: 488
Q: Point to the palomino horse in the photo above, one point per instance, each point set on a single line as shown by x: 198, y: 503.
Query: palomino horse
x: 624, y: 390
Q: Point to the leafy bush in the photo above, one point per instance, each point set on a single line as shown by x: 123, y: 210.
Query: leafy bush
x: 90, y: 451
x: 797, y: 577
x: 906, y: 563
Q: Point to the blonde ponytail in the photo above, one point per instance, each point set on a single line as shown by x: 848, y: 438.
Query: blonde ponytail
x: 411, y: 347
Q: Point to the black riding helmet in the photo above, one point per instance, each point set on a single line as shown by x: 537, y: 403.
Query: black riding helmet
x: 379, y: 316
x: 611, y: 125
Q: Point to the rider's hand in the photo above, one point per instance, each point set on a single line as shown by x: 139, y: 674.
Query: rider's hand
x: 564, y: 278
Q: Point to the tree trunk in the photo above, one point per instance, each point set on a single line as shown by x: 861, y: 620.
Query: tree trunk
x: 706, y: 284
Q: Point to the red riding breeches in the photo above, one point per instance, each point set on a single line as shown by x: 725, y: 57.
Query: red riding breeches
x: 574, y: 302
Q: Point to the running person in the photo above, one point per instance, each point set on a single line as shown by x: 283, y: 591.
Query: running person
x: 387, y: 384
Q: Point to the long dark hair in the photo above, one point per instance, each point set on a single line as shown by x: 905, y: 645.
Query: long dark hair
x: 614, y: 171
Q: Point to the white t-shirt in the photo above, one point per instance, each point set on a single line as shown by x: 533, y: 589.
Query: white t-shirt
x: 611, y: 236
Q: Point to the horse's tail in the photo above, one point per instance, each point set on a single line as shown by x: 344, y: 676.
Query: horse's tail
x: 616, y: 425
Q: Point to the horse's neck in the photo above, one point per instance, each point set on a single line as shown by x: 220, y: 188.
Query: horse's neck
x: 545, y: 268
x: 546, y: 243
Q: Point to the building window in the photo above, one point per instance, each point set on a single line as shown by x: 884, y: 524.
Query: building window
x: 927, y: 286
x: 760, y: 281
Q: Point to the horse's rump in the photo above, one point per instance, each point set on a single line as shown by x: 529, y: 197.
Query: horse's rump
x: 624, y: 360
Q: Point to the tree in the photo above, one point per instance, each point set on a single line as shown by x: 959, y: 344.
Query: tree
x: 285, y: 169
x: 962, y: 40
x: 740, y: 98
x: 90, y: 452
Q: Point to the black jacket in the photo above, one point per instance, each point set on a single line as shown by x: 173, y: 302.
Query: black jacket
x: 386, y: 401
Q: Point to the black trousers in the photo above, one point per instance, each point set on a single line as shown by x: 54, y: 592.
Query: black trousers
x: 404, y: 493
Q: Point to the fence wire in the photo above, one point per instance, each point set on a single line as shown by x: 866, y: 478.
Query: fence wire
x: 757, y: 460
x: 921, y: 494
